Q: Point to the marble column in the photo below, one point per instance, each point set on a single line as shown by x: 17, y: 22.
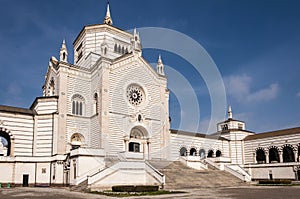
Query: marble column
x: 280, y: 156
x: 145, y: 151
x: 267, y: 158
x: 296, y: 155
x: 126, y: 140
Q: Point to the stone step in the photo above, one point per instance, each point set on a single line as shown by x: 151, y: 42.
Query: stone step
x: 179, y: 176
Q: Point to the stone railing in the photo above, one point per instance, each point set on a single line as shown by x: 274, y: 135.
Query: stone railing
x: 238, y: 172
x: 156, y: 174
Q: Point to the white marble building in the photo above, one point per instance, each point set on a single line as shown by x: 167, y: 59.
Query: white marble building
x: 102, y: 119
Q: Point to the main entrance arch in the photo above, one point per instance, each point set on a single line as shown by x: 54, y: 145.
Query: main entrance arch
x: 138, y: 141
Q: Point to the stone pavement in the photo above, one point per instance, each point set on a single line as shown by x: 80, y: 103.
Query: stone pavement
x: 246, y: 192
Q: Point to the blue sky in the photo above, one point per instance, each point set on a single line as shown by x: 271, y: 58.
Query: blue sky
x: 254, y: 43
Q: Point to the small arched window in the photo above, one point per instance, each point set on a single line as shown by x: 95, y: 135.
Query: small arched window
x: 76, y: 140
x: 193, y: 152
x: 116, y: 48
x: 218, y: 153
x: 77, y: 105
x: 183, y: 151
x: 210, y: 153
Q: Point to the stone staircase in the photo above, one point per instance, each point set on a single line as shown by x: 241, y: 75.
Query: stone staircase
x: 179, y: 176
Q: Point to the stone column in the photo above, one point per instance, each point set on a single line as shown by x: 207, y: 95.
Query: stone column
x: 254, y: 158
x: 144, y: 143
x: 126, y: 140
x: 267, y: 157
x: 280, y: 156
x: 296, y: 155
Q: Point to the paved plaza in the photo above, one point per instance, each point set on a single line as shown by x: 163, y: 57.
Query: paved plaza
x: 247, y: 192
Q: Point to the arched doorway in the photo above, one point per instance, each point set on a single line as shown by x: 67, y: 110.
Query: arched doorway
x: 134, y: 147
x: 5, y: 144
x: 210, y: 153
x: 218, y: 153
x: 193, y: 152
x: 288, y: 154
x: 260, y: 156
x: 138, y: 142
x: 273, y: 155
x: 182, y: 151
x: 202, y: 153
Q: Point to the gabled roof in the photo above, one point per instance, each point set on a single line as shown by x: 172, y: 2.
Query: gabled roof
x: 282, y: 132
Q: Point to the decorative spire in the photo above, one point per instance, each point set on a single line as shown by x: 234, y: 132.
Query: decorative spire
x: 135, y: 41
x: 229, y: 113
x: 160, y: 66
x: 63, y: 54
x: 108, y: 19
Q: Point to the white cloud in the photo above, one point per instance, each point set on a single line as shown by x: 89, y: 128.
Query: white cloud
x: 298, y: 94
x: 239, y: 87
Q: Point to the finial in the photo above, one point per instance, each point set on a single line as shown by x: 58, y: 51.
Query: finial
x: 160, y: 66
x: 63, y: 54
x: 108, y: 19
x: 159, y: 59
x: 229, y: 112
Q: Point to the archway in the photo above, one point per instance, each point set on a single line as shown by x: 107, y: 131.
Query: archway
x: 210, y: 153
x: 5, y: 144
x: 138, y: 140
x: 202, y: 153
x: 260, y: 156
x: 273, y: 155
x: 218, y: 153
x: 182, y: 151
x: 288, y: 154
x: 193, y: 152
